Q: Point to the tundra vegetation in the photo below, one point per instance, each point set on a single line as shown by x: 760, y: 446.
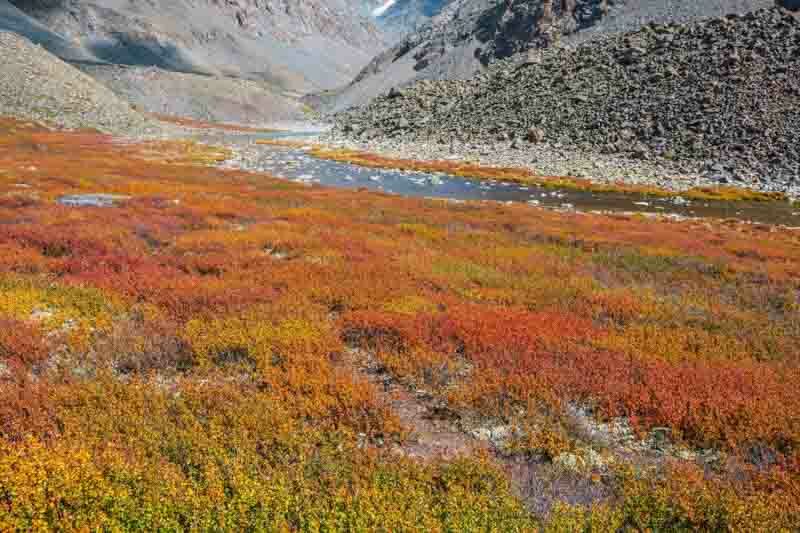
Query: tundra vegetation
x: 185, y: 358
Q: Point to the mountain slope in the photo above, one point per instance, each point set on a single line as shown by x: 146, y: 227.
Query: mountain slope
x: 466, y: 35
x: 36, y: 85
x: 311, y: 44
x: 719, y: 96
x: 14, y: 20
x: 207, y: 98
x: 242, y: 61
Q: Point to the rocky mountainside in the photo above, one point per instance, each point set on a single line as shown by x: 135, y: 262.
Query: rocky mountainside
x: 14, y: 20
x: 37, y: 85
x: 311, y: 44
x: 718, y: 96
x: 465, y: 36
x: 231, y: 61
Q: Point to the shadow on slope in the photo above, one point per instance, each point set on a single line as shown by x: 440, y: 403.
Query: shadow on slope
x: 141, y: 51
x: 14, y: 20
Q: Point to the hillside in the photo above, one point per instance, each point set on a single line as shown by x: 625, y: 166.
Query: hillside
x: 468, y: 35
x: 718, y: 97
x: 16, y: 21
x: 312, y: 44
x: 233, y: 61
x: 206, y: 98
x: 36, y: 85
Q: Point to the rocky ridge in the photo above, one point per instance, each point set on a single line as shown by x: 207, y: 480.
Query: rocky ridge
x: 460, y: 39
x: 408, y: 15
x: 715, y: 98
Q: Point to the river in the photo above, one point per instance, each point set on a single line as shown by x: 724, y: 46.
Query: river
x: 295, y: 164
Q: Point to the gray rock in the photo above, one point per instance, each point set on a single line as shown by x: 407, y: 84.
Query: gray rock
x: 371, y: 133
x: 535, y: 135
x: 92, y: 200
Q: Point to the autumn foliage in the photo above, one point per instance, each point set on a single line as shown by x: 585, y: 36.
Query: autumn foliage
x: 180, y: 360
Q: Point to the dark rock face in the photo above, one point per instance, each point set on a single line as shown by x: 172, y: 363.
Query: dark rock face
x: 720, y: 95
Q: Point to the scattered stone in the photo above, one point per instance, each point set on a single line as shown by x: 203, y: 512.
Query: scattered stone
x: 41, y: 315
x: 497, y: 435
x: 685, y: 455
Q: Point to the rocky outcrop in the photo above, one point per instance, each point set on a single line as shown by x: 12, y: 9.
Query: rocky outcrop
x: 720, y: 96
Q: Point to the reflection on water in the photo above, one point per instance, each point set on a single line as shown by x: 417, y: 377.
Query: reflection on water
x: 297, y: 165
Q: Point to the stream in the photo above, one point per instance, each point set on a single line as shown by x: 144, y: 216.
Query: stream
x: 296, y: 165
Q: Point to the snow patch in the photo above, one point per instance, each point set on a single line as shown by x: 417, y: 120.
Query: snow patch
x: 379, y: 11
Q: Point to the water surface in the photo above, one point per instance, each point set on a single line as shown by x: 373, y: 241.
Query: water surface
x: 296, y: 165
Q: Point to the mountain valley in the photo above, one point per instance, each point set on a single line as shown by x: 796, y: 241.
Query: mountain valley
x: 400, y: 265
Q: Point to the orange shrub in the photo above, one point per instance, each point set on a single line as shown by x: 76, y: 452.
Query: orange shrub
x: 198, y: 334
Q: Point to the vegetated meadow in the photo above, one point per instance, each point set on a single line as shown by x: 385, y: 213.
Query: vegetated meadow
x: 180, y: 360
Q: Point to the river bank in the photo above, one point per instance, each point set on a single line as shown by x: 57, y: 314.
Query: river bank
x: 304, y: 157
x: 546, y: 160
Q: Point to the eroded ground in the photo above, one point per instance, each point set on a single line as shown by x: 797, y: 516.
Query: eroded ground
x: 220, y: 349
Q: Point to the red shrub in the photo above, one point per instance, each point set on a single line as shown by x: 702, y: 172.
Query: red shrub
x: 21, y: 345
